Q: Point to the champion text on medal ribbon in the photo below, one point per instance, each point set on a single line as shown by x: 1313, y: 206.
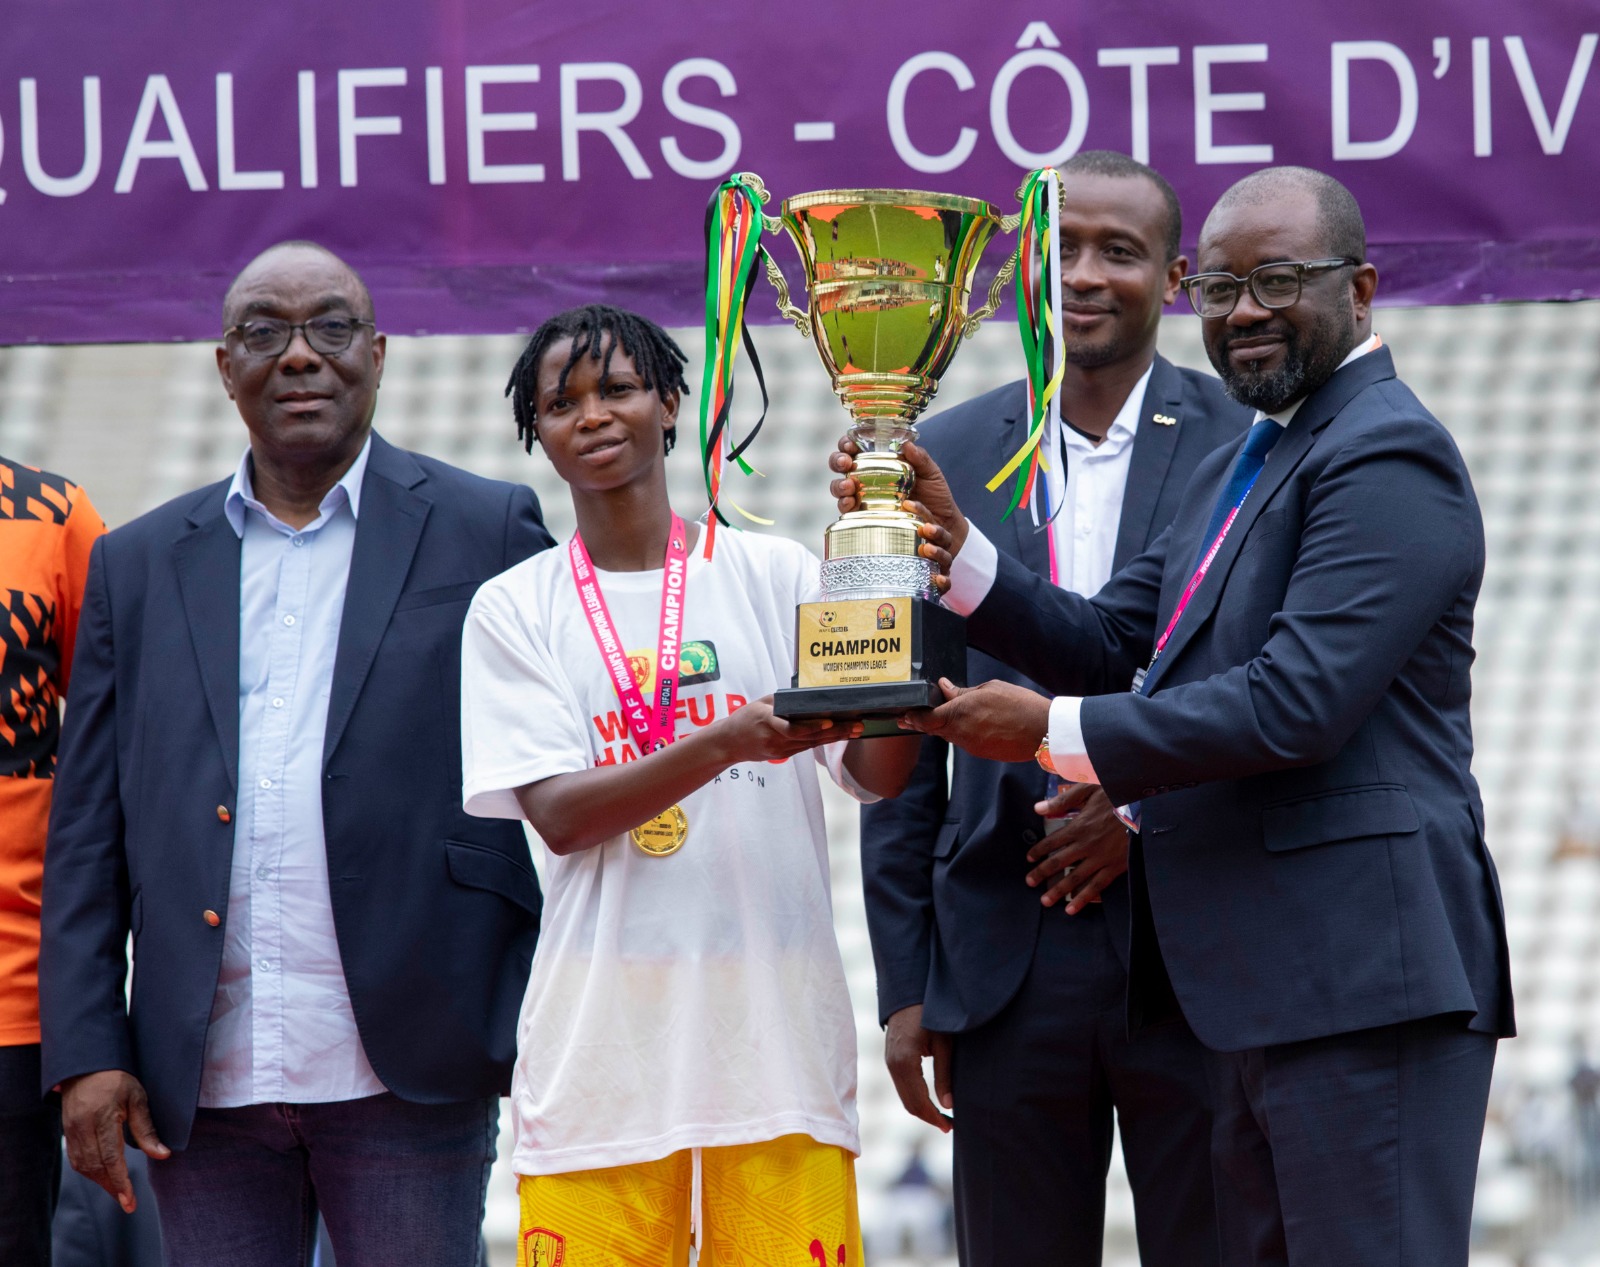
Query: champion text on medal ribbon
x: 649, y: 732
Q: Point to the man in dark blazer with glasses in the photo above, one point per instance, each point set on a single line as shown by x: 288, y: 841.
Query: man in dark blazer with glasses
x: 1277, y: 694
x: 260, y: 780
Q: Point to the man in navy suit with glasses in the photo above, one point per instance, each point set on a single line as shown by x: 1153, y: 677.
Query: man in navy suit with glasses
x: 1276, y: 695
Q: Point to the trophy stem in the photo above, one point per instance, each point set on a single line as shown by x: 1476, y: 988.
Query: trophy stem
x: 871, y: 552
x: 882, y: 435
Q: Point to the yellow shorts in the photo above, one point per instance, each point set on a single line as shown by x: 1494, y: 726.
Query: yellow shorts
x: 789, y: 1202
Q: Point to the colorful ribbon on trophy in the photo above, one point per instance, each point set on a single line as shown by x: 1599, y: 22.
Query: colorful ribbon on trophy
x: 1039, y: 322
x: 733, y: 249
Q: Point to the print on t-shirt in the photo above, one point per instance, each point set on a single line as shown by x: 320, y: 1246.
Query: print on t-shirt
x: 30, y: 655
x: 30, y: 713
x: 698, y: 664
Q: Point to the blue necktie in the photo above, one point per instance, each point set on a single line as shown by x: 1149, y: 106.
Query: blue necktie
x: 1245, y: 469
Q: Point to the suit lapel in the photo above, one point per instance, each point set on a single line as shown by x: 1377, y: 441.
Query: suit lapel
x: 1309, y: 420
x: 207, y: 562
x: 387, y: 532
x: 1153, y: 446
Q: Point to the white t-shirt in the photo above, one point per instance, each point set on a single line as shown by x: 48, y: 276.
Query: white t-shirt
x: 693, y: 1000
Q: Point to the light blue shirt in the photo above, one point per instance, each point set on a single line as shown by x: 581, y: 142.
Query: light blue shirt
x: 282, y: 1029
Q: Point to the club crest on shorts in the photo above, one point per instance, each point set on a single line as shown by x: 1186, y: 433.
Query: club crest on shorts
x: 544, y: 1248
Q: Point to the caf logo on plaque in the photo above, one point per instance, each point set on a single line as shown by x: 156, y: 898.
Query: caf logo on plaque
x: 825, y: 619
x: 886, y: 616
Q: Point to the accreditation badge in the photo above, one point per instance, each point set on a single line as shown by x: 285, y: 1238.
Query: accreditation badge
x: 664, y: 834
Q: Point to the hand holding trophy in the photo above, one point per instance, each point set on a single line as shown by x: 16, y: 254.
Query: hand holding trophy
x: 888, y: 276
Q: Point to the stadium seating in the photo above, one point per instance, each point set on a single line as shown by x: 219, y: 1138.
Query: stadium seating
x: 1518, y: 386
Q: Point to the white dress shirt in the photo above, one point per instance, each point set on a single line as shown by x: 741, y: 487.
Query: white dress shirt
x: 1067, y: 750
x: 282, y: 1029
x: 1085, y: 531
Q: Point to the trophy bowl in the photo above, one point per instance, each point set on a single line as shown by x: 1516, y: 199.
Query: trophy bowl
x: 889, y: 276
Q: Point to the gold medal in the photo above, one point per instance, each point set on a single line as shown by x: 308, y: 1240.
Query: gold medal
x: 664, y: 834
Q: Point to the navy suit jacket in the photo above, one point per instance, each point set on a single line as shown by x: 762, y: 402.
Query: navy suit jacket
x: 1313, y: 840
x: 436, y: 912
x: 953, y: 925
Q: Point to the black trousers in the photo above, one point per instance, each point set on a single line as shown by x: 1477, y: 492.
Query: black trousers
x: 30, y: 1159
x: 1035, y: 1090
x: 1357, y: 1150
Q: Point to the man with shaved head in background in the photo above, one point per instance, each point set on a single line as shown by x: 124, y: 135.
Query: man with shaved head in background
x: 260, y: 781
x: 1278, y: 699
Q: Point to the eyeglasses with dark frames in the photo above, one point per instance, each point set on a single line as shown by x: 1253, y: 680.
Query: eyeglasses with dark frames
x: 268, y: 336
x: 1273, y: 286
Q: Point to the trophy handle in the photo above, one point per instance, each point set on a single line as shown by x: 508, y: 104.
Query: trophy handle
x: 800, y: 318
x: 772, y: 224
x: 1007, y: 224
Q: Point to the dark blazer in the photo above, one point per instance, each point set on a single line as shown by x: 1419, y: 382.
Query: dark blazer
x: 1312, y: 838
x: 436, y: 912
x: 953, y: 925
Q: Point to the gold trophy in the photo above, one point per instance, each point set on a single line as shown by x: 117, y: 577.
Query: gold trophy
x: 888, y: 274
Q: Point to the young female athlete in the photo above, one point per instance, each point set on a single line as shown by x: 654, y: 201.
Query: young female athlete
x: 686, y: 1049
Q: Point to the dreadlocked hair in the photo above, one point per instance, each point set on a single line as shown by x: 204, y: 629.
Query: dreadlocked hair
x: 596, y: 331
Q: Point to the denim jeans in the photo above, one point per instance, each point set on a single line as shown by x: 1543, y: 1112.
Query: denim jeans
x: 30, y: 1159
x: 394, y: 1182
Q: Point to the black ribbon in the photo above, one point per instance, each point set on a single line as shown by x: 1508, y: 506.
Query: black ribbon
x: 722, y: 420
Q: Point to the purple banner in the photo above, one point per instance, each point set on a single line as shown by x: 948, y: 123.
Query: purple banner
x: 486, y: 162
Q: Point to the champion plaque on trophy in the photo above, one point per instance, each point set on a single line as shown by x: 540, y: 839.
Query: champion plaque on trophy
x: 888, y: 276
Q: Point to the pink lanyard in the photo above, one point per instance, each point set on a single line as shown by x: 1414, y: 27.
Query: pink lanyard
x: 651, y: 730
x: 1206, y: 561
x: 1199, y: 575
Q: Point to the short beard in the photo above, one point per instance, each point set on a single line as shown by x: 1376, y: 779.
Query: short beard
x: 1093, y: 356
x: 1310, y: 358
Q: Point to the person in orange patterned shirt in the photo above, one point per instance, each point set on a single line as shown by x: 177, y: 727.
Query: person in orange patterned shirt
x: 47, y: 526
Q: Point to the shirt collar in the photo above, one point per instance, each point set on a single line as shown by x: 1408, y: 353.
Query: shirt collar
x: 242, y: 494
x: 1125, y: 425
x: 1286, y: 415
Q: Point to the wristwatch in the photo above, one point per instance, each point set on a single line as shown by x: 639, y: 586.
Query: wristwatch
x: 1042, y: 756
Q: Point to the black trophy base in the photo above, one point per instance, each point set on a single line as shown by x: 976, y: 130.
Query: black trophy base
x: 935, y: 647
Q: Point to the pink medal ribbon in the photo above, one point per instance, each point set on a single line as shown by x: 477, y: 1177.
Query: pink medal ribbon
x: 651, y: 728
